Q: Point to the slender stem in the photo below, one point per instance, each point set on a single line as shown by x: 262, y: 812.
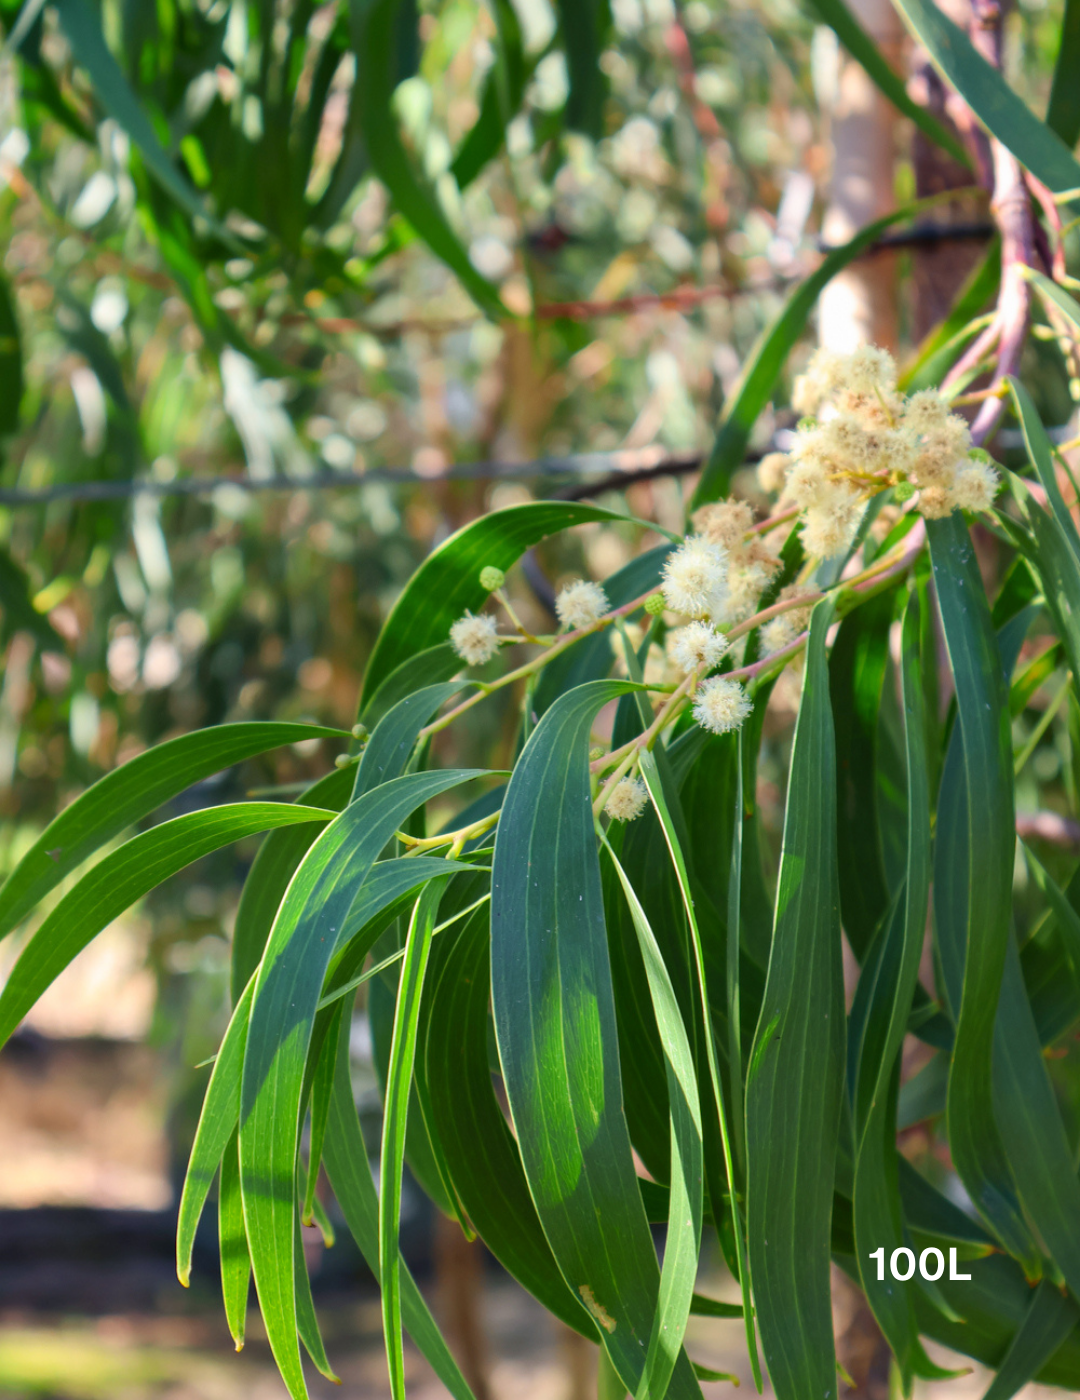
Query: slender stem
x: 803, y: 600
x: 454, y: 839
x: 627, y: 755
x: 556, y: 649
x: 781, y: 517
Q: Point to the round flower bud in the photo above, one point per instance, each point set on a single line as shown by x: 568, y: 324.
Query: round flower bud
x: 655, y: 604
x: 626, y: 800
x: 492, y: 578
x: 580, y: 604
x: 721, y: 705
x: 359, y: 731
x: 903, y: 491
x: 697, y: 644
x: 695, y: 577
x: 474, y: 638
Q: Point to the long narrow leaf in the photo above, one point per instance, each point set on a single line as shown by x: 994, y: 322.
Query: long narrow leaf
x: 973, y: 878
x: 651, y: 773
x: 795, y: 1078
x: 1052, y: 1316
x: 862, y: 47
x: 312, y: 919
x: 232, y: 1243
x: 392, y: 1160
x: 128, y: 794
x: 217, y: 1124
x: 374, y: 26
x: 1063, y: 111
x: 350, y: 1176
x: 83, y: 30
x: 878, y: 1214
x: 555, y: 1027
x: 121, y: 878
x: 984, y: 89
x: 683, y: 1243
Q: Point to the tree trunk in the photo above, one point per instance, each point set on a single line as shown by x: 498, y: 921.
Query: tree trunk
x: 860, y: 304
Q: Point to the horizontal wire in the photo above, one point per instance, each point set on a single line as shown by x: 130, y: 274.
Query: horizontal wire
x: 614, y: 469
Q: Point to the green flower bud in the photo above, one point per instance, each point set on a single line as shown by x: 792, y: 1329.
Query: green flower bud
x: 492, y: 578
x: 903, y: 491
x: 980, y: 454
x: 596, y: 752
x: 359, y: 731
x: 344, y: 759
x: 655, y: 604
x: 806, y: 425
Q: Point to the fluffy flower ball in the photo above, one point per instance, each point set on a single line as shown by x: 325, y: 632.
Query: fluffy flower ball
x: 721, y: 705
x: 581, y: 603
x: 695, y: 577
x: 777, y: 633
x: 626, y: 800
x: 474, y: 638
x: 697, y: 644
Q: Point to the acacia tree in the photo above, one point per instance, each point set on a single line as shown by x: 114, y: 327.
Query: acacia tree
x: 606, y: 905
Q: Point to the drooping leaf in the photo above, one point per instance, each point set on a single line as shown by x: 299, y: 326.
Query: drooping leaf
x: 268, y: 879
x: 217, y: 1123
x: 480, y: 1149
x: 654, y: 775
x: 973, y: 878
x: 504, y: 88
x: 232, y: 1244
x: 585, y: 25
x: 861, y: 46
x: 347, y: 1166
x: 555, y: 1027
x: 857, y: 668
x: 392, y: 1160
x: 374, y: 40
x: 312, y: 919
x: 1005, y: 115
x: 877, y: 1208
x: 128, y: 794
x: 795, y: 1077
x: 1063, y: 111
x: 121, y: 878
x: 82, y: 27
x: 1052, y: 1316
x: 683, y: 1244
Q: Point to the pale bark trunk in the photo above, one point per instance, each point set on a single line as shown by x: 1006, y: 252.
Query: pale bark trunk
x: 860, y: 304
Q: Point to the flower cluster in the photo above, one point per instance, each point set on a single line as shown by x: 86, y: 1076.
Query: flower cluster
x: 580, y: 604
x: 626, y: 800
x: 474, y: 638
x: 696, y: 645
x: 721, y: 705
x: 866, y: 436
x: 751, y: 560
x: 719, y: 572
